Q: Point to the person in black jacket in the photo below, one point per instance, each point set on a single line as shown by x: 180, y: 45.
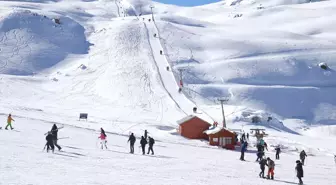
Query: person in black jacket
x: 143, y: 143
x: 54, y: 131
x: 132, y: 140
x: 303, y: 156
x: 277, y: 154
x: 50, y: 144
x: 151, y: 143
x: 263, y: 163
x: 299, y: 171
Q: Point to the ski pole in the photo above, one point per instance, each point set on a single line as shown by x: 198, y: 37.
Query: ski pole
x: 44, y: 147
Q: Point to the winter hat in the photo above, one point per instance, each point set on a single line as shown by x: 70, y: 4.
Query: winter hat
x: 297, y: 161
x: 268, y: 158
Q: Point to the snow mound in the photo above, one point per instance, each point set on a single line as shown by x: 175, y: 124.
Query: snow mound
x: 31, y: 42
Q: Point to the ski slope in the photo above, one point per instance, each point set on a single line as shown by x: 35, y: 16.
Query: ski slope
x: 82, y: 162
x: 104, y: 60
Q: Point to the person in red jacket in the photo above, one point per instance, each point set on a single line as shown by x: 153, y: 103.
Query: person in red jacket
x: 102, y: 138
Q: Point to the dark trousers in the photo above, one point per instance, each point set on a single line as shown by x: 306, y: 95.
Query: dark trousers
x: 55, y: 143
x: 150, y: 148
x: 302, y: 161
x: 143, y: 149
x: 277, y: 156
x: 242, y: 156
x: 132, y: 148
x: 50, y: 146
x: 262, y: 173
x: 300, y: 180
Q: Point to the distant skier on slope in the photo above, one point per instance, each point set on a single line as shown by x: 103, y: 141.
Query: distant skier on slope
x: 9, y: 122
x: 132, y: 140
x: 299, y: 171
x: 151, y: 143
x: 247, y: 136
x: 271, y: 165
x: 143, y: 143
x: 54, y: 131
x: 145, y: 134
x: 303, y: 156
x: 102, y: 138
x: 50, y: 144
x: 263, y: 163
x: 278, y: 151
x: 243, y: 149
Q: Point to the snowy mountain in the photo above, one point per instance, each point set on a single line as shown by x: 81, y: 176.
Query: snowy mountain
x: 102, y: 57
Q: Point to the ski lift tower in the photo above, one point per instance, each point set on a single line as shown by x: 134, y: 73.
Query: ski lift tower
x: 258, y: 133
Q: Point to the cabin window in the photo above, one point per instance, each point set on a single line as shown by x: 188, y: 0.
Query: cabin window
x: 227, y: 140
x: 215, y: 139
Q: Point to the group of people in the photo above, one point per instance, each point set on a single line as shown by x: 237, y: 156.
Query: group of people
x: 131, y: 140
x: 143, y: 143
x: 52, y: 138
x: 263, y: 162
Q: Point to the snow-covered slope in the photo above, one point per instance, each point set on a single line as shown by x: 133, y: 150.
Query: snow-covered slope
x: 104, y: 60
x: 257, y: 54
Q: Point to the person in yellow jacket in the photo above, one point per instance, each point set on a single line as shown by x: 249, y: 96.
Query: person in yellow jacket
x: 9, y: 121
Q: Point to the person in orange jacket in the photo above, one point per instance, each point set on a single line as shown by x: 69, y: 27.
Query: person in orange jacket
x: 9, y: 122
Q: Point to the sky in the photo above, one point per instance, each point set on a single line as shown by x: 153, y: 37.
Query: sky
x: 187, y: 2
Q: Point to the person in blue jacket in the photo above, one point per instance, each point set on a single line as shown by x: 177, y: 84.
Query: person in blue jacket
x: 243, y: 149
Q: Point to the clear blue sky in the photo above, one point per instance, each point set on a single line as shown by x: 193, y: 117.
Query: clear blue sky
x: 187, y: 2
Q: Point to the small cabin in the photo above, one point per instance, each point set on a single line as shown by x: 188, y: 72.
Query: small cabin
x: 193, y: 127
x: 221, y: 137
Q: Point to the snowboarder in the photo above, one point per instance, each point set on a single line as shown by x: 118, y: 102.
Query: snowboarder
x: 102, y: 138
x: 143, y: 143
x: 50, y: 144
x: 277, y: 154
x: 9, y: 122
x: 303, y: 156
x: 151, y: 142
x: 263, y: 163
x: 54, y: 131
x: 146, y: 134
x: 132, y: 140
x: 247, y: 136
x: 299, y: 171
x: 243, y: 149
x: 271, y: 165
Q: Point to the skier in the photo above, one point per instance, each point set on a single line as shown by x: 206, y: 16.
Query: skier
x: 50, y: 144
x: 161, y: 52
x: 54, y: 131
x: 265, y: 146
x: 146, y: 134
x: 243, y: 137
x: 143, y: 143
x: 247, y: 136
x: 260, y: 154
x: 9, y: 122
x: 132, y: 140
x: 263, y: 163
x: 102, y: 138
x: 335, y: 158
x: 151, y: 143
x: 271, y: 165
x: 299, y: 171
x: 243, y: 149
x: 303, y: 156
x: 277, y: 154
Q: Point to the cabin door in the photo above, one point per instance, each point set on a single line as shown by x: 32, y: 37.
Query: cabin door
x: 221, y: 141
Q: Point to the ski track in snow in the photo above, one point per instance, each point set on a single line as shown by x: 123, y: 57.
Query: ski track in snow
x: 114, y: 72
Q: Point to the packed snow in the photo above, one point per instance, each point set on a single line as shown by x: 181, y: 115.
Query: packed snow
x: 62, y: 58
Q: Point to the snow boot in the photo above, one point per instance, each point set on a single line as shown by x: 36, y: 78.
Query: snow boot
x: 272, y: 177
